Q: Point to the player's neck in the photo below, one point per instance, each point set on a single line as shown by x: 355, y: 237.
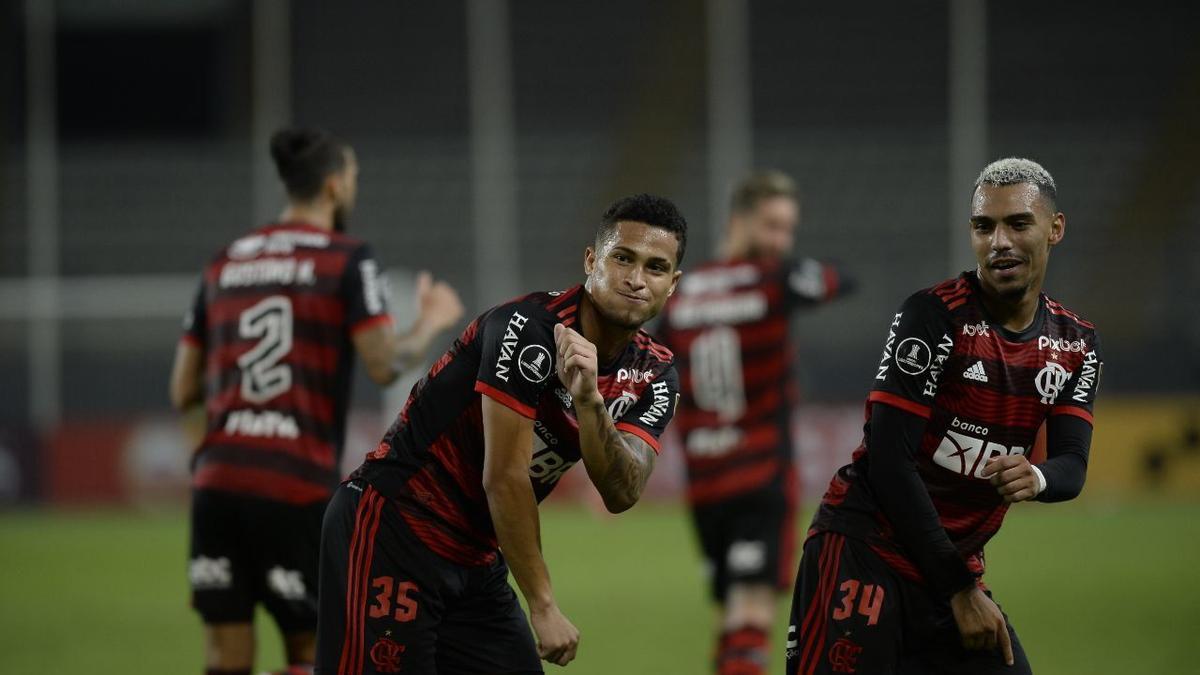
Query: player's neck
x: 1014, y: 314
x: 610, y: 339
x: 311, y: 214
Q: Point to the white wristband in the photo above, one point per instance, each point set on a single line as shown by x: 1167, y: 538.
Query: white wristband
x: 1041, y: 480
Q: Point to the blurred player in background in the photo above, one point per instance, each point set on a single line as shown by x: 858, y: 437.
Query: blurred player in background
x: 268, y: 347
x: 418, y: 545
x: 729, y: 329
x: 891, y: 578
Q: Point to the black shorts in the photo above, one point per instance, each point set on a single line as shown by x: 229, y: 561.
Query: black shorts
x: 748, y: 539
x: 390, y: 605
x: 246, y: 550
x: 852, y: 613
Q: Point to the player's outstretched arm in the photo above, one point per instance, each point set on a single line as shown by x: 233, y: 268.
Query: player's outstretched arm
x: 386, y: 353
x: 618, y: 464
x: 508, y: 450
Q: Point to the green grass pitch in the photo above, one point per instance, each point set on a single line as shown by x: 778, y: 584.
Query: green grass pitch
x: 1090, y: 589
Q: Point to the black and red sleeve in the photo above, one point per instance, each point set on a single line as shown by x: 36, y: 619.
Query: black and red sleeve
x: 919, y: 339
x: 516, y: 356
x: 364, y: 291
x: 195, y: 321
x: 1069, y: 430
x: 1078, y: 397
x: 811, y: 282
x: 650, y: 415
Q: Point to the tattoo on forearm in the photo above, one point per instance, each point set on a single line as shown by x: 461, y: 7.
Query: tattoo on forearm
x: 629, y: 464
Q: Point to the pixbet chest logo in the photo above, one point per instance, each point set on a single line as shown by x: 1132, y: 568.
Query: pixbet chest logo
x: 1061, y: 345
x: 633, y: 375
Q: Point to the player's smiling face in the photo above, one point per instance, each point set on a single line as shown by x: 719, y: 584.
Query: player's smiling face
x: 632, y: 272
x: 1013, y: 228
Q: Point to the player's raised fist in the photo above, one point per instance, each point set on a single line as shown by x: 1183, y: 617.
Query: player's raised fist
x: 576, y: 364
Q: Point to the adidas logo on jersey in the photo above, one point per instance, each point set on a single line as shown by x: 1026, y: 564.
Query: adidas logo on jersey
x: 976, y: 372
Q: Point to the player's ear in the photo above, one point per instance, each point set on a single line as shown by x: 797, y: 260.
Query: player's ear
x: 1058, y: 228
x: 674, y: 282
x: 589, y: 260
x: 333, y: 187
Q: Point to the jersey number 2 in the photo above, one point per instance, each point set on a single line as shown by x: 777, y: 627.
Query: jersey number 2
x: 263, y: 376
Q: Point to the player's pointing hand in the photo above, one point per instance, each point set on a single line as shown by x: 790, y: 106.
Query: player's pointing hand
x: 576, y: 364
x: 1013, y: 477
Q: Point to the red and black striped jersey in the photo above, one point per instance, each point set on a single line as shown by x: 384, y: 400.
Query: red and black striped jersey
x: 274, y: 315
x: 728, y: 326
x: 985, y: 392
x: 431, y: 460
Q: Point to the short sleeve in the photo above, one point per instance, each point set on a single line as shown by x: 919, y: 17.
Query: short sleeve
x: 516, y: 357
x: 918, y: 342
x: 364, y: 291
x: 649, y: 416
x: 195, y: 321
x: 1078, y: 397
x: 809, y: 281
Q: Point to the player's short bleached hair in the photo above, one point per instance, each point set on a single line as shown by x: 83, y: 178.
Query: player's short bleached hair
x: 1016, y: 170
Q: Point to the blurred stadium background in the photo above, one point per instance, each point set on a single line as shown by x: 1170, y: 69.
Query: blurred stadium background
x: 491, y: 134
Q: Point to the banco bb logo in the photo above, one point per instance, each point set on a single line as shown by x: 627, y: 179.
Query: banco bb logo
x: 1050, y: 381
x: 535, y: 363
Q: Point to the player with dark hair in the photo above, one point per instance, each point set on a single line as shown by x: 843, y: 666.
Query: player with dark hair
x: 891, y: 577
x: 729, y: 329
x: 268, y: 345
x: 418, y: 545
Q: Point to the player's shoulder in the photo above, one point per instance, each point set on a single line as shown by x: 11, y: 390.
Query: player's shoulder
x: 1067, y: 323
x: 539, y: 307
x: 650, y: 347
x: 937, y: 302
x: 950, y: 295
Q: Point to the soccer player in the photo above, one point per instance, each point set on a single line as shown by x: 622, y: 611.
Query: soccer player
x: 891, y: 575
x: 728, y: 326
x: 418, y: 544
x: 268, y: 346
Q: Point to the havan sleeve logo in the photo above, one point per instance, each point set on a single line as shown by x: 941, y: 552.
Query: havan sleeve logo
x: 508, y: 344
